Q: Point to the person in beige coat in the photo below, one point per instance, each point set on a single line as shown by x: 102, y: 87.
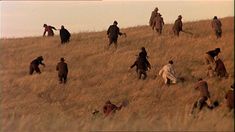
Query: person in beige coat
x: 168, y: 73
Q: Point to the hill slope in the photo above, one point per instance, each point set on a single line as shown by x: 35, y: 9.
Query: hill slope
x: 40, y: 103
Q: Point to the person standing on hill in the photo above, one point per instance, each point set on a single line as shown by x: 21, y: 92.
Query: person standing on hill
x: 204, y: 98
x: 62, y: 69
x: 49, y: 30
x: 230, y: 98
x: 158, y: 23
x: 178, y: 26
x: 34, y: 65
x: 64, y: 35
x: 210, y: 56
x: 152, y: 17
x: 113, y: 32
x: 216, y: 26
x: 168, y: 73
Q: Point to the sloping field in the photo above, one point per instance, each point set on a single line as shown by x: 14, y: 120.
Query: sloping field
x: 38, y: 103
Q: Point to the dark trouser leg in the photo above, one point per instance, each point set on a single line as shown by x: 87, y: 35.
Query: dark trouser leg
x: 65, y: 78
x: 60, y: 78
x: 145, y: 75
x: 31, y: 69
x: 194, y: 106
x: 37, y: 69
x: 202, y: 102
x: 140, y: 73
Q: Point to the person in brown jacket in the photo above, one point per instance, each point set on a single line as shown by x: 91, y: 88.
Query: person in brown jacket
x: 204, y: 98
x: 110, y: 108
x: 220, y: 68
x: 178, y: 26
x: 113, y: 32
x: 34, y: 65
x: 158, y: 23
x: 49, y: 30
x: 216, y: 26
x: 152, y: 18
x: 230, y: 98
x: 210, y: 56
x: 62, y: 69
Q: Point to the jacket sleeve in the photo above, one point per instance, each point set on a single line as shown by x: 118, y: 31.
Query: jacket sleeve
x: 119, y: 33
x: 53, y: 27
x: 160, y: 72
x: 67, y: 70
x: 108, y: 30
x: 44, y: 33
x: 135, y: 64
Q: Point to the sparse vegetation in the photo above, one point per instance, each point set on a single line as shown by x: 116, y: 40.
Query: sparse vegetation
x: 40, y: 103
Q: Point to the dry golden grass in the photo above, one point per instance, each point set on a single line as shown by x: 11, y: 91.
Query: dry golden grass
x: 97, y: 74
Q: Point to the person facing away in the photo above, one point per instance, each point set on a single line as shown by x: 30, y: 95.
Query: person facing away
x: 178, y: 26
x: 158, y: 23
x: 216, y: 26
x: 142, y: 65
x: 229, y: 96
x: 64, y: 35
x: 113, y: 32
x: 152, y: 18
x: 49, y: 30
x: 62, y: 69
x: 110, y: 108
x: 210, y: 56
x: 34, y: 65
x: 204, y: 97
x: 168, y: 73
x: 220, y: 68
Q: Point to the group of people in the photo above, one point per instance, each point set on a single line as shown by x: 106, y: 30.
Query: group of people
x: 156, y: 22
x: 64, y: 33
x: 215, y: 66
x: 61, y: 67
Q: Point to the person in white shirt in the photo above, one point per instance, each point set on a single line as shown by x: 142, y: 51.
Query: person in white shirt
x: 168, y: 73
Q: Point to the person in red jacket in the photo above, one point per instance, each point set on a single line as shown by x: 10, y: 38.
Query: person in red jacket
x: 49, y: 30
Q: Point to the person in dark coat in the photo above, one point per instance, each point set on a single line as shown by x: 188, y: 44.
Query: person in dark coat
x: 220, y: 68
x: 204, y: 98
x: 64, y: 35
x: 34, y: 65
x: 230, y: 98
x: 216, y: 25
x: 142, y: 65
x: 210, y: 56
x: 178, y: 26
x: 110, y: 108
x: 49, y: 29
x: 113, y: 32
x: 62, y: 69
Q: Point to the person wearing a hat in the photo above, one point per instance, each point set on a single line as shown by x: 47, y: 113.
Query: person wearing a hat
x: 168, y: 73
x: 216, y: 26
x: 113, y: 32
x: 178, y: 26
x: 230, y: 98
x: 62, y: 69
x: 153, y: 16
x: 34, y: 65
x: 49, y: 30
x: 64, y: 35
x: 210, y: 56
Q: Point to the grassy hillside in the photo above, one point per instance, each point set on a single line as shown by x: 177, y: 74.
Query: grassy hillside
x: 40, y: 103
